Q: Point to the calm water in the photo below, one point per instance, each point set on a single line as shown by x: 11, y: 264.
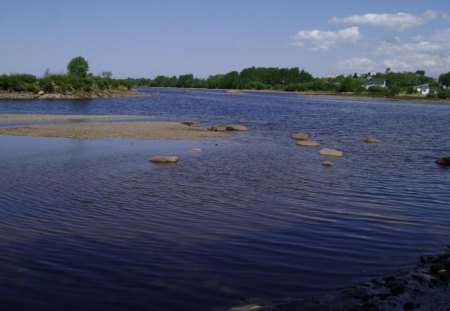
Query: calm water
x: 91, y: 225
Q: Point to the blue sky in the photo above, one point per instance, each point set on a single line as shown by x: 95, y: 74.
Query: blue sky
x: 138, y: 38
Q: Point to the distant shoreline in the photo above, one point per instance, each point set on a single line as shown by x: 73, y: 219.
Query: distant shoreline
x: 350, y: 95
x: 70, y: 95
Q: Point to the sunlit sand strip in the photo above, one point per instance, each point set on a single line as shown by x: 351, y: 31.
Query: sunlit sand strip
x: 144, y: 130
x: 49, y: 117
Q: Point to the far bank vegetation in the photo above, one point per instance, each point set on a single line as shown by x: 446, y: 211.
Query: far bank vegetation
x: 376, y: 84
x: 77, y: 81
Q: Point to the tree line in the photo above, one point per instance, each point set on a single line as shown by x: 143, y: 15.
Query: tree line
x: 78, y: 79
x: 294, y: 79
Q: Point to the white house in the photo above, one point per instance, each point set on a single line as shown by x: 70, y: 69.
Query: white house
x: 423, y: 89
x: 374, y: 82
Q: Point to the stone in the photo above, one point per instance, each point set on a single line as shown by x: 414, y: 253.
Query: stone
x: 327, y: 163
x: 218, y: 128
x: 40, y: 93
x: 164, y: 159
x: 236, y: 127
x: 445, y: 161
x: 373, y: 140
x: 196, y: 150
x: 331, y: 152
x: 300, y: 136
x: 307, y: 143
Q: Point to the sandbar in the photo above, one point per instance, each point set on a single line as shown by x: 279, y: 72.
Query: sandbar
x: 106, y: 129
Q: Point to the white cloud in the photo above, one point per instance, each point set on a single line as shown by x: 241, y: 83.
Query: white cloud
x: 445, y: 16
x: 323, y: 40
x: 421, y: 52
x: 362, y: 64
x: 399, y: 21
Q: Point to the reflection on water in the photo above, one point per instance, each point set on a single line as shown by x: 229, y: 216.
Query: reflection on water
x: 90, y: 224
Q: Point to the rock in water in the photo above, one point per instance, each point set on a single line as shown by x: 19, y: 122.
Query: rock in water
x: 164, y: 159
x: 331, y: 152
x: 236, y: 127
x: 445, y: 161
x: 307, y: 143
x: 373, y: 141
x: 300, y: 136
x: 196, y: 150
x: 327, y: 163
x: 218, y: 128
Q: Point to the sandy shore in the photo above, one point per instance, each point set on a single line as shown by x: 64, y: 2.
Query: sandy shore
x: 104, y: 129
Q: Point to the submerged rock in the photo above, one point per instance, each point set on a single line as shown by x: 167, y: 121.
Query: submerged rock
x: 300, y: 136
x: 164, y: 159
x: 307, y: 143
x: 331, y: 152
x: 373, y: 140
x: 445, y: 161
x: 327, y: 163
x: 196, y: 150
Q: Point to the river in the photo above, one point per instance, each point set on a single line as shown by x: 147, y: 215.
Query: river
x: 92, y: 225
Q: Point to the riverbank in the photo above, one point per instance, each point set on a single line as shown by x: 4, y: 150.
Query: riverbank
x: 424, y: 287
x: 105, y: 129
x: 418, y: 98
x: 110, y: 93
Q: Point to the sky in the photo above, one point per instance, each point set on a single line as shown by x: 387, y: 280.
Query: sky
x: 146, y: 38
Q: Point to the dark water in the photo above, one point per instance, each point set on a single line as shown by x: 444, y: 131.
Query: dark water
x: 91, y: 225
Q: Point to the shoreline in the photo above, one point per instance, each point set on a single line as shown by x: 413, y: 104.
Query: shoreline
x: 69, y: 95
x: 423, y: 287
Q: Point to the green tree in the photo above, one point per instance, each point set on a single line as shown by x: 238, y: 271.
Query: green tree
x: 107, y: 74
x: 444, y: 79
x: 78, y: 66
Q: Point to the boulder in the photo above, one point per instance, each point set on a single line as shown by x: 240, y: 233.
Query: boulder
x: 196, y: 150
x: 307, y: 143
x: 300, y: 136
x: 164, y: 159
x: 373, y: 141
x: 236, y: 127
x: 327, y: 163
x: 218, y: 128
x: 331, y: 152
x: 40, y: 93
x: 445, y: 161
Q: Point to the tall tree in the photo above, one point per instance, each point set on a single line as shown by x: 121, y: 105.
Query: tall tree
x: 78, y: 66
